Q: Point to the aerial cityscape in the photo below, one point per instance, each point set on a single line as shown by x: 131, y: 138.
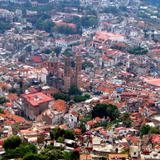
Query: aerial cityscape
x: 79, y: 79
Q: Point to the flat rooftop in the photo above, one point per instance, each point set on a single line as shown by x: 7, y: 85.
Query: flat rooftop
x: 36, y: 99
x: 153, y: 81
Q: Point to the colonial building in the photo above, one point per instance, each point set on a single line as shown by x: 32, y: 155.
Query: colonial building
x: 72, y: 75
x: 34, y: 104
x: 63, y: 76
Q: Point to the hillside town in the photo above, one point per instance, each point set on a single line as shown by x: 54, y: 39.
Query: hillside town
x: 79, y: 80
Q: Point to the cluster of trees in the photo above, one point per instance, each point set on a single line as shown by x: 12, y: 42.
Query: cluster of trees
x: 89, y: 21
x: 62, y: 96
x: 42, y: 1
x: 4, y: 25
x: 42, y: 21
x: 101, y: 124
x: 115, y: 10
x: 68, y: 52
x: 86, y: 21
x: 2, y: 100
x: 74, y: 93
x: 15, y: 148
x: 106, y: 111
x: 61, y: 134
x: 81, y: 98
x: 153, y: 2
x: 53, y: 154
x: 87, y: 65
x: 68, y: 30
x: 47, y: 51
x: 125, y: 118
x: 57, y: 50
x: 146, y: 129
x: 138, y: 51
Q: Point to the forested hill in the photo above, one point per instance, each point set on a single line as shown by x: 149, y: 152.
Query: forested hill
x: 153, y: 2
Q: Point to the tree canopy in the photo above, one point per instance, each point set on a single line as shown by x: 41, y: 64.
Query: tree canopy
x: 15, y: 148
x: 4, y: 25
x: 89, y: 21
x: 12, y: 142
x: 138, y: 51
x: 146, y: 129
x: 80, y: 98
x: 2, y: 100
x: 32, y: 156
x: 105, y: 111
x: 74, y: 90
x: 62, y: 96
x: 58, y: 132
x: 126, y: 120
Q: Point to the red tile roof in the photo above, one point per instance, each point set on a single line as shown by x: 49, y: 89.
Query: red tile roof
x: 37, y: 59
x: 60, y: 105
x: 36, y: 99
x: 9, y: 104
x: 155, y: 139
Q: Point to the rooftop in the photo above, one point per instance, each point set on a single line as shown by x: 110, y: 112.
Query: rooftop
x: 36, y: 99
x: 153, y: 81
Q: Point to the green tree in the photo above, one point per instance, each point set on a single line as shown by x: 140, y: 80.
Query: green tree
x: 58, y: 132
x: 21, y: 151
x: 126, y: 120
x: 32, y: 156
x: 138, y: 51
x: 1, y: 110
x: 145, y: 129
x: 4, y: 25
x: 12, y: 90
x: 53, y: 154
x: 83, y: 127
x: 79, y: 98
x: 87, y: 96
x: 105, y: 110
x: 47, y: 51
x: 87, y: 65
x: 154, y: 130
x: 62, y: 96
x: 74, y: 90
x: 72, y: 155
x: 65, y: 30
x: 89, y: 21
x: 57, y: 50
x: 60, y: 139
x: 2, y: 100
x: 68, y: 52
x: 12, y: 142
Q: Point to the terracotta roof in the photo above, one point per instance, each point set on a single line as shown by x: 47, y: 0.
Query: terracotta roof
x: 12, y: 117
x: 60, y: 23
x: 37, y: 59
x: 77, y: 131
x: 74, y: 113
x: 1, y: 142
x: 36, y: 99
x: 3, y: 85
x: 60, y: 105
x: 153, y: 81
x: 155, y: 139
x: 12, y: 96
x: 9, y: 104
x: 102, y: 35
